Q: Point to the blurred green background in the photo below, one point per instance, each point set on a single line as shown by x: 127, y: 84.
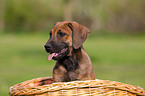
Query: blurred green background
x: 116, y: 44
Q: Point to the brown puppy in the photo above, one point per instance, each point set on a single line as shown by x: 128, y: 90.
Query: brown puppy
x: 65, y: 46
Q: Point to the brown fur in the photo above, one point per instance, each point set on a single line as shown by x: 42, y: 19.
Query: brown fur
x: 76, y: 64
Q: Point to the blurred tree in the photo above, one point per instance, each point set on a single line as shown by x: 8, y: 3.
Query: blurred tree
x: 125, y: 15
x: 68, y: 9
x: 2, y: 12
x: 39, y: 15
x: 31, y: 15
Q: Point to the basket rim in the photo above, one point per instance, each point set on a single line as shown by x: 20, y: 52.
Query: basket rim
x: 19, y: 89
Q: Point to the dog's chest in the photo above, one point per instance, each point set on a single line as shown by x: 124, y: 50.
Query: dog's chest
x: 70, y: 64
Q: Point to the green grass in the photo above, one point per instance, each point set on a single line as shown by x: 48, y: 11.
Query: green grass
x: 117, y: 58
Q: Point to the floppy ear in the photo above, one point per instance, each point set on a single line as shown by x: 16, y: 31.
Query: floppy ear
x: 79, y: 34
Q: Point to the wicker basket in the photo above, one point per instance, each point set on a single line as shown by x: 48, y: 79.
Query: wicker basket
x: 96, y: 87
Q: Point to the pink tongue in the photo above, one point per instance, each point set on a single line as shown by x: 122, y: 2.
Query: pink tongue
x: 50, y: 56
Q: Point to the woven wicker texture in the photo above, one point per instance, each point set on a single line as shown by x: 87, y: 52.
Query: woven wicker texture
x: 96, y: 87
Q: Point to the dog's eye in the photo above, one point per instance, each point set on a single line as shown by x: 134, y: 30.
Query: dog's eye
x: 61, y: 33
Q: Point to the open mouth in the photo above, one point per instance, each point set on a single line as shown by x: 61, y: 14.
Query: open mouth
x: 58, y: 55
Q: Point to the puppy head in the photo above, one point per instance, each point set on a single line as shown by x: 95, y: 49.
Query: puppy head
x: 64, y: 37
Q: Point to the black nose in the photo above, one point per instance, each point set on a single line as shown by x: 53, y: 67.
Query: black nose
x: 47, y: 46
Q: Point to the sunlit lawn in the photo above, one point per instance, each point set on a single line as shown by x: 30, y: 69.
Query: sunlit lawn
x: 117, y: 58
